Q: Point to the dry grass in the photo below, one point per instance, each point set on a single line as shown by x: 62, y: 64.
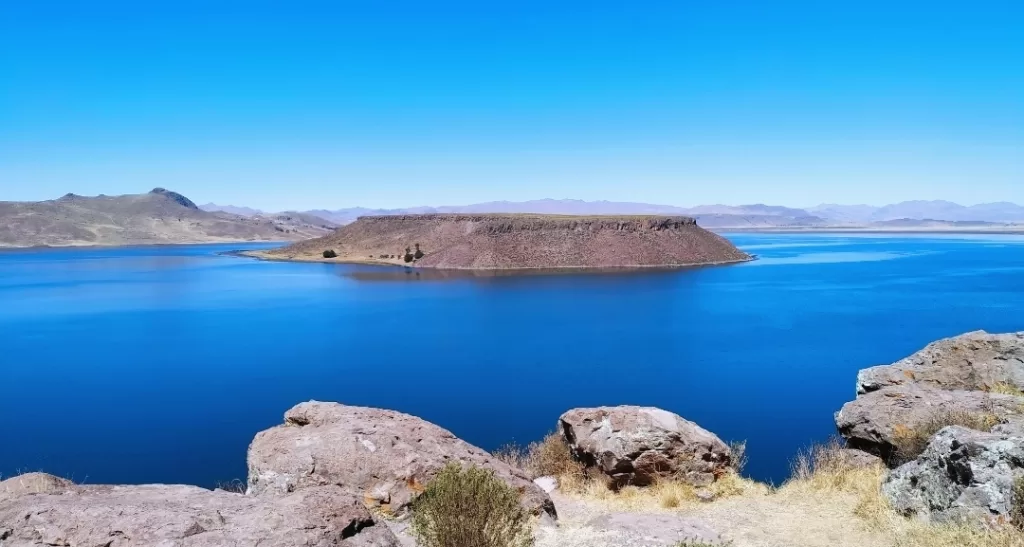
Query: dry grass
x: 547, y: 458
x: 1006, y: 389
x: 828, y: 502
x: 821, y: 474
x: 910, y: 442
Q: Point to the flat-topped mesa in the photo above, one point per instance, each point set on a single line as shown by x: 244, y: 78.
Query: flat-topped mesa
x: 519, y: 241
x: 504, y: 223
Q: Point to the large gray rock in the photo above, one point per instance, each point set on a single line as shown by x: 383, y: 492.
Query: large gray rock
x: 638, y: 445
x: 973, y: 361
x: 186, y: 516
x: 873, y: 421
x: 382, y: 456
x: 962, y: 475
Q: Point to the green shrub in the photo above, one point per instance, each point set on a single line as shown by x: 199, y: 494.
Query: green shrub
x: 470, y: 508
x: 329, y: 253
x: 418, y: 254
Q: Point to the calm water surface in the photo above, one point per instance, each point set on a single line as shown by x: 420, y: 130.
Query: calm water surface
x: 160, y: 364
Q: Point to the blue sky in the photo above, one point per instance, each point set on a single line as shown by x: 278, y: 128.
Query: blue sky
x: 284, y: 105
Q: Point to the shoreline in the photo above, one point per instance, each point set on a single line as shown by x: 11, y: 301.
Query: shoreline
x: 835, y: 230
x: 259, y: 255
x: 4, y: 248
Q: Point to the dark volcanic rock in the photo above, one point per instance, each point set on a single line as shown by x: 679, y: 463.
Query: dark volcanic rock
x: 638, y: 445
x: 963, y: 474
x: 382, y: 456
x: 180, y: 516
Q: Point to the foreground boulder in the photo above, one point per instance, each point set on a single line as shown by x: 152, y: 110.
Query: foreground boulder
x: 639, y: 445
x: 973, y: 361
x: 963, y: 475
x: 163, y: 515
x: 875, y: 421
x: 382, y: 456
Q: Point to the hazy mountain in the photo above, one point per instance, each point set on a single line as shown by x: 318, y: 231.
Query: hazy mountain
x: 707, y: 215
x: 753, y: 216
x: 844, y: 213
x: 1001, y: 212
x: 242, y: 211
x: 159, y: 216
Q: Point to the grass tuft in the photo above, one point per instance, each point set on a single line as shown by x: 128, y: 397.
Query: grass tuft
x: 910, y: 442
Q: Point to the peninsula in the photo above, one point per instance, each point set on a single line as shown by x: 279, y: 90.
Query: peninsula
x: 157, y: 217
x: 517, y: 241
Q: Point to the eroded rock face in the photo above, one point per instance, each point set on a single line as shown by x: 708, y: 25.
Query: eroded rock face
x: 382, y: 456
x: 186, y: 516
x: 873, y: 421
x: 963, y: 474
x: 638, y: 445
x: 973, y: 361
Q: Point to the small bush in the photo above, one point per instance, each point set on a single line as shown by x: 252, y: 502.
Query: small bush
x: 329, y: 253
x: 1005, y: 388
x: 739, y: 456
x: 820, y: 460
x: 470, y: 508
x: 551, y: 457
x: 418, y: 254
x: 910, y: 442
x: 1017, y: 507
x: 235, y: 486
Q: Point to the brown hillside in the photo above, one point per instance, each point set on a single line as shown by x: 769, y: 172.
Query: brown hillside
x: 503, y: 241
x: 157, y: 217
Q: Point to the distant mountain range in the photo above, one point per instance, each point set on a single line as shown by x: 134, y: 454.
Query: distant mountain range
x: 159, y: 216
x: 909, y: 213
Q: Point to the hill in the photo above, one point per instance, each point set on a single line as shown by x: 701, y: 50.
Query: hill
x: 160, y: 216
x: 511, y: 242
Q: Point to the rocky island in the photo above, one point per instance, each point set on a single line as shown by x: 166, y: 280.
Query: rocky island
x: 517, y: 242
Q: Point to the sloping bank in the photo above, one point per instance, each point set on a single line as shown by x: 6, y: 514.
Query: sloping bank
x: 517, y: 242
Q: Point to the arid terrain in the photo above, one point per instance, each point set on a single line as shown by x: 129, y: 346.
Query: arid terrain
x: 510, y: 242
x: 157, y: 217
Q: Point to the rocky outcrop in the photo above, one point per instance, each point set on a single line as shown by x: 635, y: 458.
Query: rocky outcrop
x: 963, y: 474
x: 145, y: 516
x: 382, y: 456
x: 520, y: 242
x: 874, y: 421
x: 973, y: 361
x: 639, y: 445
x: 976, y: 373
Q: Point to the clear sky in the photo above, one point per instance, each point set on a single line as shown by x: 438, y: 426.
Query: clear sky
x: 285, y: 105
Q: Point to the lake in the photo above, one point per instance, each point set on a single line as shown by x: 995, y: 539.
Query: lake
x: 159, y: 364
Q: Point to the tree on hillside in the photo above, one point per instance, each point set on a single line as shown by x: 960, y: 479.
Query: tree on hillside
x: 408, y: 255
x: 418, y: 254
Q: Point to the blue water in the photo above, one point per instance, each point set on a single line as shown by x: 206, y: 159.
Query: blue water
x: 160, y: 364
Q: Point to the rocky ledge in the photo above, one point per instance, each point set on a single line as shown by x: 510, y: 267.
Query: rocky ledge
x: 957, y: 406
x: 518, y: 242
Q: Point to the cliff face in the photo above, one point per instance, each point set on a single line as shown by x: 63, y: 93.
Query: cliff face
x: 502, y: 241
